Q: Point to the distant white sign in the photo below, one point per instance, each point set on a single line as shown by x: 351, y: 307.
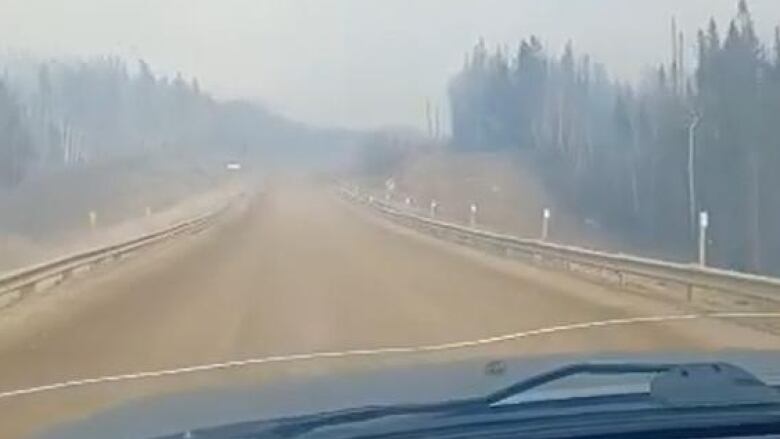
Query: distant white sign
x: 233, y: 166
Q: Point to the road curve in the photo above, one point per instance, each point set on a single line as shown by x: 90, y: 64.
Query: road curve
x: 297, y: 270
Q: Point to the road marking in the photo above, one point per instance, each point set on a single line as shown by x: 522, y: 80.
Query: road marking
x: 382, y: 351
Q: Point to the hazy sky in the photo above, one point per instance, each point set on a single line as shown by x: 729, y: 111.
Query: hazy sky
x: 355, y: 63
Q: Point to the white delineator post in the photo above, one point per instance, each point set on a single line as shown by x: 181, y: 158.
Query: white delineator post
x: 408, y: 202
x: 473, y: 215
x: 434, y: 206
x: 704, y: 223
x: 389, y: 189
x: 545, y: 224
x: 92, y: 219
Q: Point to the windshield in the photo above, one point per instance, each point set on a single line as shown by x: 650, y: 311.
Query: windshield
x: 201, y: 195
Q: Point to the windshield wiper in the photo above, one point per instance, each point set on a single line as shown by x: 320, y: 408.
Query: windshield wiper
x: 674, y: 385
x: 569, y: 371
x: 680, y: 385
x: 297, y: 426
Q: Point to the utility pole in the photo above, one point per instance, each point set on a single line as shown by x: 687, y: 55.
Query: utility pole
x: 674, y: 65
x: 681, y: 64
x: 696, y: 118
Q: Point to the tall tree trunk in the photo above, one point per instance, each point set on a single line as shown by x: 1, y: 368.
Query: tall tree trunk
x: 754, y: 213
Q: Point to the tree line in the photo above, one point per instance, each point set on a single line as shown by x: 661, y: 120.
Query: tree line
x: 58, y: 114
x: 70, y: 114
x: 644, y: 159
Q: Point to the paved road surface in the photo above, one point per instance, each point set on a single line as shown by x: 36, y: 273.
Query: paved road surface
x: 297, y: 270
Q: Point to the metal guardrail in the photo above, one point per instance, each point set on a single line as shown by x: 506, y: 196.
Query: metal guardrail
x: 15, y: 285
x: 691, y: 276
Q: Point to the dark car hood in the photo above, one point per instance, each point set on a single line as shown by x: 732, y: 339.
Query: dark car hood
x: 172, y: 414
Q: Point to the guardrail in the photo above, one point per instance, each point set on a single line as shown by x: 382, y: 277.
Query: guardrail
x: 15, y: 285
x: 691, y: 277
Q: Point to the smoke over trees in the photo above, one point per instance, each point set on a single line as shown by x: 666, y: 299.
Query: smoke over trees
x: 15, y: 147
x: 620, y: 153
x: 68, y: 114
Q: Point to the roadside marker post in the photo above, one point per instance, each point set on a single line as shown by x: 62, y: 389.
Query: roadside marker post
x: 434, y: 206
x: 704, y: 223
x: 546, y: 224
x: 389, y: 189
x: 473, y: 215
x: 92, y: 219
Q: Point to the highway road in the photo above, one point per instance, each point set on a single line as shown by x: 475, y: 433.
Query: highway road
x: 296, y: 270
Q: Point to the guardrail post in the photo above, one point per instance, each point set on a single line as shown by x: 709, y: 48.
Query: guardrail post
x: 473, y: 215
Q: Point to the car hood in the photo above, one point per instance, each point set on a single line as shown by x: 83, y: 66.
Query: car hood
x: 171, y: 414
